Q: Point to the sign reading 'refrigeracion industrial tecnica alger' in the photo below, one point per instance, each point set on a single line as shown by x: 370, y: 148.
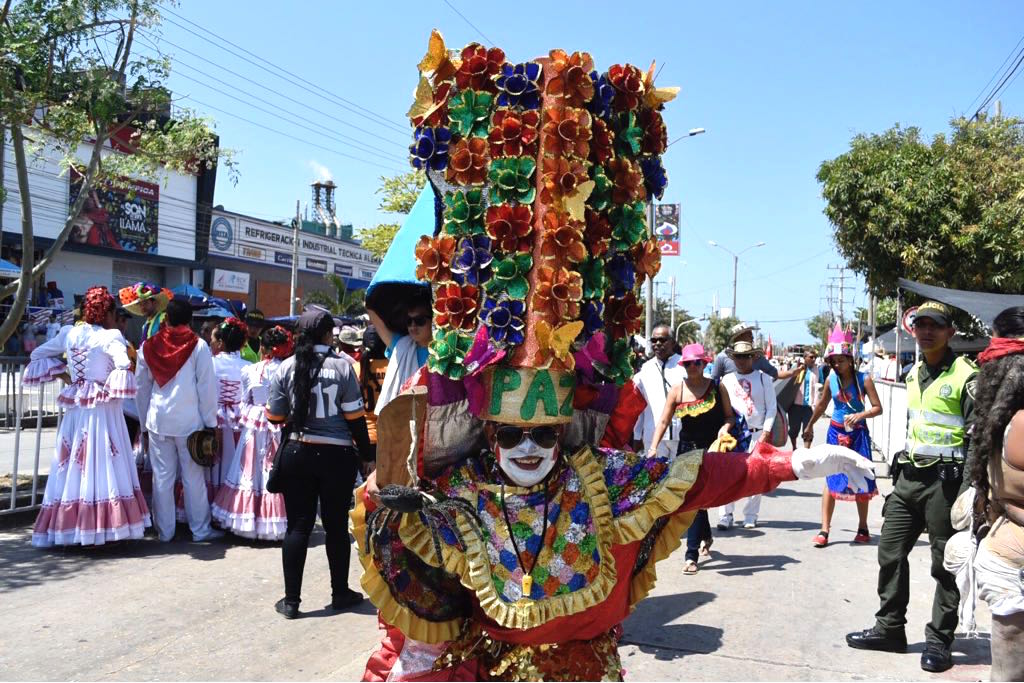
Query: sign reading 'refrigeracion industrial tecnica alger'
x: 263, y: 242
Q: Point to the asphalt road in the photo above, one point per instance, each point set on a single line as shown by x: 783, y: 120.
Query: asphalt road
x: 765, y: 606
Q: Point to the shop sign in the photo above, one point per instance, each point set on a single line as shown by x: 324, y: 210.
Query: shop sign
x: 122, y: 217
x: 230, y: 281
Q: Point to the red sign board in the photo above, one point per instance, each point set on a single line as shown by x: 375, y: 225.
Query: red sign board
x: 669, y: 247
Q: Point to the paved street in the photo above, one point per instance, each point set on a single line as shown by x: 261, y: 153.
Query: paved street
x: 766, y: 606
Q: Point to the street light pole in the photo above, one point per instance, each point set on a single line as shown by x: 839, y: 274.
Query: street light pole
x: 735, y: 266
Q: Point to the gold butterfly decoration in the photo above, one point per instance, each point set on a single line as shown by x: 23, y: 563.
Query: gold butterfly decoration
x: 423, y: 101
x: 437, y: 60
x: 655, y: 97
x: 576, y: 203
x: 558, y: 340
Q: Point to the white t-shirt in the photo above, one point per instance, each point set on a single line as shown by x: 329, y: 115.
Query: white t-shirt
x: 752, y: 396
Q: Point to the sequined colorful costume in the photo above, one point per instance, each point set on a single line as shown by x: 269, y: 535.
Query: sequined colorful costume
x: 537, y: 251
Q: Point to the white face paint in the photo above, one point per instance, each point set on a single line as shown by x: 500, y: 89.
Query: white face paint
x: 527, y: 464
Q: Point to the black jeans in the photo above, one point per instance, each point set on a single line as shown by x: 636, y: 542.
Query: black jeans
x: 313, y: 473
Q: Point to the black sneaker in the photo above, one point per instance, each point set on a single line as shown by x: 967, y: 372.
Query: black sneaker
x: 873, y: 639
x: 289, y: 610
x: 936, y: 658
x: 346, y: 600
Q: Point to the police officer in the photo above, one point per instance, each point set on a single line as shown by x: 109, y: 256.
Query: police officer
x: 927, y: 478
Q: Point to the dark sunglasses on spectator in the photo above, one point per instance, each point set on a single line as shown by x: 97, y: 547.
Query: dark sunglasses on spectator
x: 419, y: 320
x: 688, y: 363
x: 660, y: 340
x: 510, y: 436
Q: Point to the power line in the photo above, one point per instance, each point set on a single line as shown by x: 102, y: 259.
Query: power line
x: 297, y: 139
x: 1001, y: 85
x: 343, y: 102
x: 260, y: 85
x: 296, y: 118
x: 996, y: 74
x: 471, y: 24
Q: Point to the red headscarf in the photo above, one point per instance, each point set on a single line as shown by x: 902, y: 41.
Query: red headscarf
x: 167, y: 350
x: 999, y: 347
x: 285, y: 348
x: 98, y: 303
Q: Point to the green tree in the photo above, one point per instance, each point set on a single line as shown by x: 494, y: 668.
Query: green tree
x: 339, y: 300
x: 68, y: 76
x: 945, y: 212
x: 716, y: 337
x: 398, y: 194
x: 819, y: 327
x: 663, y: 315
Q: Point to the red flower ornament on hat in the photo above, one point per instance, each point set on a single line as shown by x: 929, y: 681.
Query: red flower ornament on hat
x: 560, y: 177
x: 629, y: 86
x: 571, y: 77
x: 510, y: 227
x: 467, y: 162
x: 567, y: 132
x: 623, y: 315
x: 597, y: 233
x: 559, y: 291
x: 479, y: 67
x: 647, y: 257
x: 433, y: 257
x: 627, y: 180
x: 514, y: 133
x: 562, y: 237
x: 455, y: 306
x: 602, y: 142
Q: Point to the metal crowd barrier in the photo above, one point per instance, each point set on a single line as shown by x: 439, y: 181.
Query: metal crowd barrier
x: 24, y: 409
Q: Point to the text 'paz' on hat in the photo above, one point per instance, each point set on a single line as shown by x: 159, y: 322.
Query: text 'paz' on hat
x: 543, y: 169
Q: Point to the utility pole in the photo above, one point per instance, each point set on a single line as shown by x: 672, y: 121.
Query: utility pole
x: 672, y: 305
x: 292, y: 307
x: 649, y: 313
x: 842, y: 290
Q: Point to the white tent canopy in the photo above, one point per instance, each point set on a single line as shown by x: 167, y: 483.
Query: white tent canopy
x: 959, y: 343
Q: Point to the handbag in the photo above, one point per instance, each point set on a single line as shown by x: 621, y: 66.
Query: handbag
x: 275, y: 483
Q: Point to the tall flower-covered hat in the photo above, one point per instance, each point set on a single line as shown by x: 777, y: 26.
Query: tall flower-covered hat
x: 133, y: 295
x: 541, y: 169
x: 840, y: 343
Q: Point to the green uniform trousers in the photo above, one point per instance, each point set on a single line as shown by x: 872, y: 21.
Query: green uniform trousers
x: 919, y: 500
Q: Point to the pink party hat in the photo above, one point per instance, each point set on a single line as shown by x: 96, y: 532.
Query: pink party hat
x: 840, y: 343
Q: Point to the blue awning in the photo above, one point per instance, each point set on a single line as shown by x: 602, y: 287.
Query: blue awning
x: 8, y: 269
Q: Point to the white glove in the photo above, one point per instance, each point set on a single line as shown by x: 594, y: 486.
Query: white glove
x: 826, y: 459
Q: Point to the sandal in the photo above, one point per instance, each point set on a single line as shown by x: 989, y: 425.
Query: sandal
x: 863, y: 536
x: 821, y: 540
x: 705, y: 547
x: 690, y: 567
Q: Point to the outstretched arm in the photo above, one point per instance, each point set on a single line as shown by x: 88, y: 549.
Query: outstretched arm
x: 725, y: 477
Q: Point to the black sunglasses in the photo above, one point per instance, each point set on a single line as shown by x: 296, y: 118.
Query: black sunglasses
x: 419, y: 320
x: 510, y: 436
x: 660, y: 340
x: 688, y: 363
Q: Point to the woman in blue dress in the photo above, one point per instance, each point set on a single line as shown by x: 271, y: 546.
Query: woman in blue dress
x: 847, y: 389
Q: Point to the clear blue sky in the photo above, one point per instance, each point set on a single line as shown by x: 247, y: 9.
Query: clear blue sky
x: 778, y: 86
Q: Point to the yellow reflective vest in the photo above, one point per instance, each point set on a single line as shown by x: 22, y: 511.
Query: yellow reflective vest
x: 935, y: 424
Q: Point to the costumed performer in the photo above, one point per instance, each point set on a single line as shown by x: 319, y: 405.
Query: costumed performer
x: 177, y: 398
x: 507, y: 544
x: 243, y: 505
x: 149, y: 301
x: 846, y: 388
x: 92, y: 494
x: 228, y: 366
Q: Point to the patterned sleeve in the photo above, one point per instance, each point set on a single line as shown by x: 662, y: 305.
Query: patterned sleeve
x: 350, y: 398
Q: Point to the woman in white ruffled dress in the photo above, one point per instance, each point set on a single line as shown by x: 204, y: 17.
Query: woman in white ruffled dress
x: 228, y: 365
x: 92, y: 493
x: 243, y: 506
